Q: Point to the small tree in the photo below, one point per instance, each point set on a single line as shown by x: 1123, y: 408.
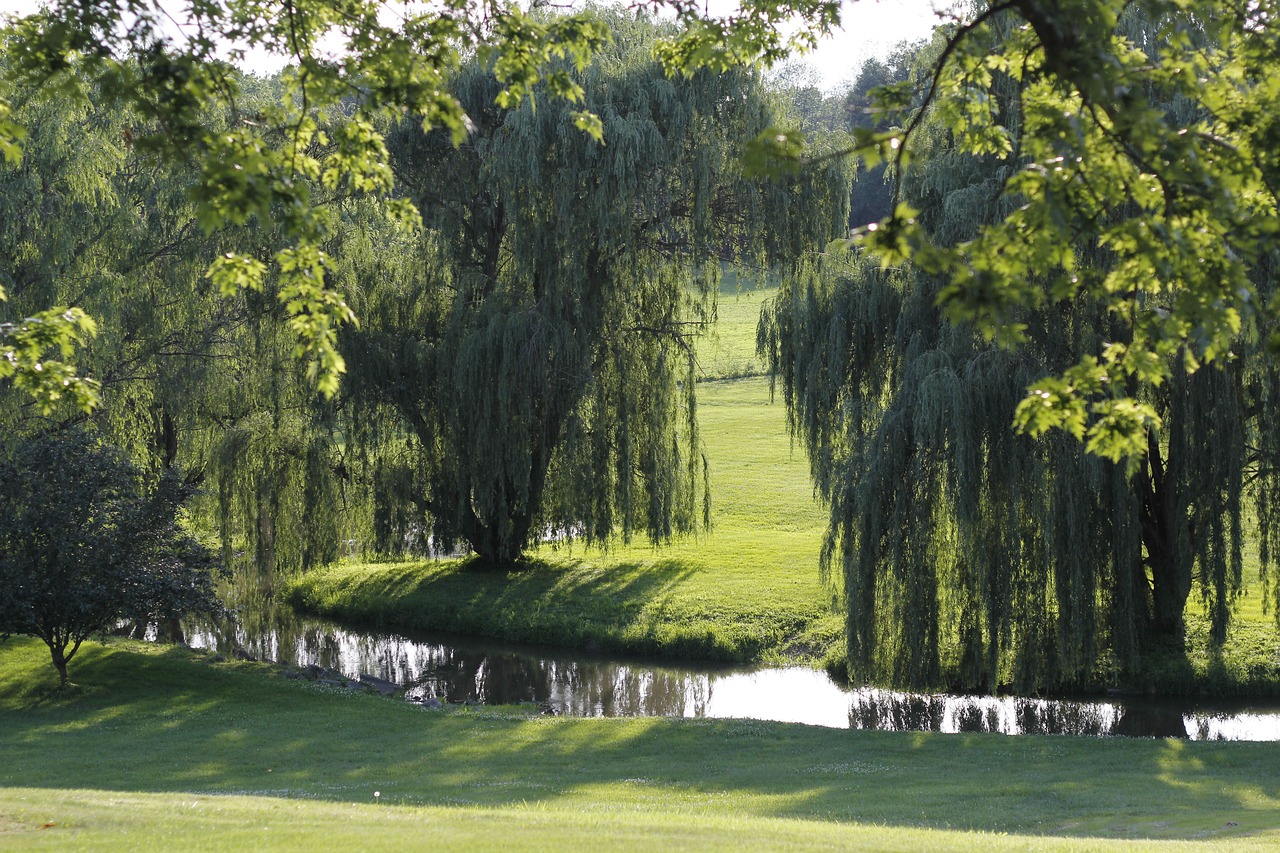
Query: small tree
x: 86, y: 539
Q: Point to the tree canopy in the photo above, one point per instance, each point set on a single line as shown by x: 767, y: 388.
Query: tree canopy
x: 165, y: 65
x: 972, y: 556
x: 542, y: 305
x: 539, y: 345
x: 1152, y: 144
x: 1189, y: 207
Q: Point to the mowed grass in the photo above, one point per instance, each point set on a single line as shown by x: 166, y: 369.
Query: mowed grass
x: 747, y: 590
x: 161, y: 748
x: 729, y: 351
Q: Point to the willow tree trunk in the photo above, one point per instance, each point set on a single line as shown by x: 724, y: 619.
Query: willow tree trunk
x: 1165, y: 536
x: 502, y: 541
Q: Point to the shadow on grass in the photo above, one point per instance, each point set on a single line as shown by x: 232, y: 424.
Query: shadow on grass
x: 1246, y: 665
x: 625, y: 607
x: 145, y: 720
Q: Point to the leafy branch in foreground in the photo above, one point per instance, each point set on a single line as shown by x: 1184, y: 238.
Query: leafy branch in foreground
x: 170, y: 63
x: 1149, y: 144
x: 24, y: 357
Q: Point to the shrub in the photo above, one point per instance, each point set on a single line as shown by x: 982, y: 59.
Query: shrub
x: 87, y: 539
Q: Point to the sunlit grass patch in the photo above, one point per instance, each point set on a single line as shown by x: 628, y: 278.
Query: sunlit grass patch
x: 728, y: 351
x: 746, y: 590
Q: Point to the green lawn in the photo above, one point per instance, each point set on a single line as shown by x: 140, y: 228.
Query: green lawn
x: 747, y: 590
x: 729, y: 351
x: 154, y: 748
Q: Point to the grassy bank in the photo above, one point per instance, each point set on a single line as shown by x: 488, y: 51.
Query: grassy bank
x: 747, y: 590
x: 1248, y: 664
x: 153, y: 748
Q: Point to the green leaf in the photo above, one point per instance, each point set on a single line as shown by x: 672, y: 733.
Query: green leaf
x: 232, y: 273
x: 775, y: 151
x: 589, y: 123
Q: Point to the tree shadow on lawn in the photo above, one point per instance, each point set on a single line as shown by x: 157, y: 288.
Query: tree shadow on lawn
x: 629, y: 607
x: 530, y: 579
x: 172, y: 721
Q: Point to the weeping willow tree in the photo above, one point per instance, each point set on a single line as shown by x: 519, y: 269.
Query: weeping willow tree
x: 93, y: 225
x: 528, y: 370
x: 187, y: 378
x: 973, y: 556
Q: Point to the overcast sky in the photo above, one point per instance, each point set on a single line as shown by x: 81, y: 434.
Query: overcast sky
x: 870, y: 28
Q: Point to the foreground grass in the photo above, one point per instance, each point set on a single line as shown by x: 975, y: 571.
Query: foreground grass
x: 155, y: 748
x: 748, y: 590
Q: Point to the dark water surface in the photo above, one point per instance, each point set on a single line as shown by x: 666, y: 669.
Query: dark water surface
x: 455, y: 669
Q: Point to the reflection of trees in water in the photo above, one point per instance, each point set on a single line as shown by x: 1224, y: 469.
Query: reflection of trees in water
x: 578, y: 688
x: 888, y: 711
x: 264, y: 628
x: 257, y: 624
x: 1150, y: 721
x: 1245, y: 723
x: 612, y: 690
x: 875, y: 709
x: 1049, y: 717
x: 473, y: 676
x: 269, y: 630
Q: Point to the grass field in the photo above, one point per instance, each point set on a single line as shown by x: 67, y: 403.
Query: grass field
x: 154, y: 748
x: 729, y: 352
x: 747, y: 590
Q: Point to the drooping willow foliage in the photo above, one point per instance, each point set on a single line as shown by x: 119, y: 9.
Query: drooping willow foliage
x: 524, y: 363
x: 92, y: 224
x: 526, y: 368
x: 970, y: 555
x: 189, y: 379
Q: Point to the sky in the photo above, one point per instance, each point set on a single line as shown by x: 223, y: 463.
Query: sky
x: 871, y: 28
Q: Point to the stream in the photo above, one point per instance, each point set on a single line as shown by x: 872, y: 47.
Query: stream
x: 458, y: 670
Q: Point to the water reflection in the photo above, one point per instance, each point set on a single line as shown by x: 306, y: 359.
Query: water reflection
x: 1129, y: 717
x: 880, y: 709
x: 456, y: 669
x: 466, y: 670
